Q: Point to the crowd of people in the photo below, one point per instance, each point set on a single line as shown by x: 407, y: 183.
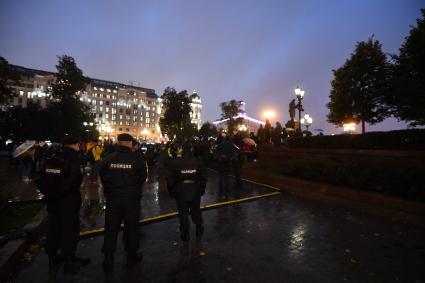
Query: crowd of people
x: 121, y: 167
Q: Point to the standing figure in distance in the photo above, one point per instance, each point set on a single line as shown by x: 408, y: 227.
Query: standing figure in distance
x: 122, y: 173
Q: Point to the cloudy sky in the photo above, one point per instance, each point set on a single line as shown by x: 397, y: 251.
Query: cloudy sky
x: 256, y: 51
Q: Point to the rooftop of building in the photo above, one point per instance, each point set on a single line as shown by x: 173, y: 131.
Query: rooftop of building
x: 95, y: 82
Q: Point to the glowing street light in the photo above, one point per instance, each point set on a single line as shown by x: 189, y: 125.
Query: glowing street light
x: 307, y: 120
x: 145, y: 132
x: 349, y: 127
x: 268, y: 114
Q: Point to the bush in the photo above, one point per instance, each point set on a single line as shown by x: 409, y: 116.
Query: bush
x: 413, y: 139
x: 388, y: 176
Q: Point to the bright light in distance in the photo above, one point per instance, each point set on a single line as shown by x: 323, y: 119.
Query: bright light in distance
x: 349, y: 127
x: 268, y: 114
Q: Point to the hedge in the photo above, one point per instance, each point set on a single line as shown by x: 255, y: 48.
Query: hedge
x: 413, y: 139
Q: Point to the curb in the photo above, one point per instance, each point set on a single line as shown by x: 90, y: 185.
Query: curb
x: 13, y: 250
x: 381, y: 205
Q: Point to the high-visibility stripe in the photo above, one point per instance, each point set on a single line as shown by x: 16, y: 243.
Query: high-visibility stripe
x: 166, y: 216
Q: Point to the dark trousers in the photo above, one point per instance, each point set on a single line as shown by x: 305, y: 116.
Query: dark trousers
x: 192, y: 207
x: 63, y: 229
x: 238, y: 179
x: 117, y: 210
x: 224, y: 181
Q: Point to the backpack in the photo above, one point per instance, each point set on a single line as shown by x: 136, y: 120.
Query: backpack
x: 53, y: 173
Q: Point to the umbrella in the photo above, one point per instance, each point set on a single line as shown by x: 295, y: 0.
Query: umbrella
x: 23, y: 148
x: 289, y: 129
x: 249, y: 141
x: 318, y: 130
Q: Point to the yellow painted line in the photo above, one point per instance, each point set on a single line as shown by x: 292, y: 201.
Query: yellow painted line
x: 160, y: 217
x: 254, y: 182
x: 262, y: 184
x: 239, y: 200
x: 93, y: 231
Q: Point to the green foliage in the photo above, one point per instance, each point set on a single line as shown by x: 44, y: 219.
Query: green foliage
x: 31, y: 122
x: 176, y: 120
x: 413, y: 139
x: 207, y: 129
x: 394, y: 177
x: 69, y: 112
x: 408, y: 94
x: 360, y: 86
x: 229, y: 110
x: 7, y: 76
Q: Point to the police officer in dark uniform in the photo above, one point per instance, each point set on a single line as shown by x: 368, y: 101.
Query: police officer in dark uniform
x: 60, y: 180
x: 122, y: 174
x: 186, y: 182
x: 225, y: 153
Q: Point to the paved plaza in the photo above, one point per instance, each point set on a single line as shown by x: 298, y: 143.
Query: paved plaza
x: 279, y: 238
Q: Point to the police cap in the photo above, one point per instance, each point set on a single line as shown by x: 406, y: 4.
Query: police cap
x: 125, y: 137
x: 70, y: 140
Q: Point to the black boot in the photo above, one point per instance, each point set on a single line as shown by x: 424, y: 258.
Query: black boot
x: 133, y: 259
x: 108, y: 263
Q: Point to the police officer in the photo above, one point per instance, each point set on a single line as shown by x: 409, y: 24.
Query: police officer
x: 186, y: 181
x: 122, y: 174
x: 60, y: 180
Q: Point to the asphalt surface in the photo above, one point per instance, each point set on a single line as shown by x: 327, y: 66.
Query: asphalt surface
x: 282, y: 238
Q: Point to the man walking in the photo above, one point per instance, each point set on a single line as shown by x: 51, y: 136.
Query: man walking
x: 60, y: 181
x: 122, y: 173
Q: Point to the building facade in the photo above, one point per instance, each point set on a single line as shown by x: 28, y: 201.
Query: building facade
x: 117, y: 108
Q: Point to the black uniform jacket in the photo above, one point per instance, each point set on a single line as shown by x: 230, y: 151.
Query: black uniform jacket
x: 186, y: 178
x: 225, y: 153
x: 65, y: 195
x: 123, y: 173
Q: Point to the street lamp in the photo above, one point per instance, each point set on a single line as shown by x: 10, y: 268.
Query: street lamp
x: 268, y: 114
x: 300, y: 94
x: 307, y: 120
x: 349, y: 127
x: 145, y: 132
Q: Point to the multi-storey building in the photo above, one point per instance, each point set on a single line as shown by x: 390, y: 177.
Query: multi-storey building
x: 118, y: 108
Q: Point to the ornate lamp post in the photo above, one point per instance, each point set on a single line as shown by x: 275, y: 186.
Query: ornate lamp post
x: 307, y: 120
x: 300, y: 94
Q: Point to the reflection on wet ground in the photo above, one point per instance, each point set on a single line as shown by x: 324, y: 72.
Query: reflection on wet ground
x: 279, y: 239
x: 156, y: 199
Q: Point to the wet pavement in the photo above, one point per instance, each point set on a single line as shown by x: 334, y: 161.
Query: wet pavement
x: 277, y: 239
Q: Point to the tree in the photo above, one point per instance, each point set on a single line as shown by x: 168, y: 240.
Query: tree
x: 207, y: 129
x: 407, y: 98
x: 176, y: 120
x: 7, y: 77
x: 68, y: 111
x: 229, y: 110
x: 360, y: 86
x: 30, y: 122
